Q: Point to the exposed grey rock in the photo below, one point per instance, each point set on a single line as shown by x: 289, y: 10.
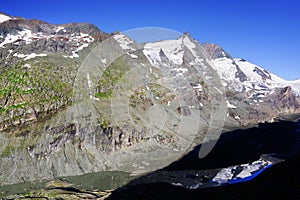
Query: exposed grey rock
x: 239, y: 73
x: 215, y: 51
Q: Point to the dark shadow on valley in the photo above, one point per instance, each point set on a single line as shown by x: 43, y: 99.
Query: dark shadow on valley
x: 280, y: 181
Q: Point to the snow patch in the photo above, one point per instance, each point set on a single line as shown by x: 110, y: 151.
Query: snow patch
x: 74, y: 55
x: 29, y: 56
x: 27, y: 65
x: 248, y: 169
x: 180, y: 71
x: 237, y: 117
x: 229, y: 105
x: 133, y: 56
x: 94, y: 98
x: 225, y: 68
x: 33, y: 55
x: 198, y: 87
x: 224, y: 175
x: 82, y: 47
x: 227, y: 174
x: 177, y: 184
x: 124, y: 41
x: 59, y: 28
x: 4, y: 18
x: 171, y: 48
x: 89, y: 82
x: 103, y: 61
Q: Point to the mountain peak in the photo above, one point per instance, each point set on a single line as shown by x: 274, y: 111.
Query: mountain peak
x: 19, y: 36
x: 4, y: 17
x: 215, y: 51
x: 187, y: 34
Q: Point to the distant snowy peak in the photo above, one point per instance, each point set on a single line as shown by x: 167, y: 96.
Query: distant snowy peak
x: 24, y: 37
x: 4, y: 17
x: 243, y: 76
x: 125, y: 42
x: 171, y: 51
x: 254, y: 73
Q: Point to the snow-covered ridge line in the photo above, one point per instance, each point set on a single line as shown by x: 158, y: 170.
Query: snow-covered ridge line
x: 78, y: 41
x: 4, y: 18
x: 173, y: 50
x: 257, y: 80
x: 28, y: 36
x: 124, y: 41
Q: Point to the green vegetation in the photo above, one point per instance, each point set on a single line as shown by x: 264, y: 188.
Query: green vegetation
x: 6, y: 152
x: 40, y: 88
x: 110, y: 77
x: 102, y: 122
x: 56, y: 189
x: 101, y: 95
x: 164, y: 94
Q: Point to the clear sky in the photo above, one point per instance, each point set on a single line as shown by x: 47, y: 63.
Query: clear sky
x: 265, y: 32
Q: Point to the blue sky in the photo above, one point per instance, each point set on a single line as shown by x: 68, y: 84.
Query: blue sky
x: 265, y: 32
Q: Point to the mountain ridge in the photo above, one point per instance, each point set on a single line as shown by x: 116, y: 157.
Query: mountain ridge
x: 74, y: 97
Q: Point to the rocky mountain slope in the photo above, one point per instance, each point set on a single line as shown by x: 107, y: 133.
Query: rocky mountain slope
x: 75, y: 100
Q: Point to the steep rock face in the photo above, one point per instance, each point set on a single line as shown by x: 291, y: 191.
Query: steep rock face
x: 284, y: 99
x: 215, y: 51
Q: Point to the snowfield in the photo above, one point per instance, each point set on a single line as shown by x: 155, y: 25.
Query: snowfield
x: 4, y: 18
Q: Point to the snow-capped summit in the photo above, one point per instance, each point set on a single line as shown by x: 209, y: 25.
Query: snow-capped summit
x: 4, y: 17
x: 172, y: 49
x: 124, y: 41
x: 255, y: 79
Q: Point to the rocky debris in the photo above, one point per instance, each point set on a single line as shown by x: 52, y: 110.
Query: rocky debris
x: 284, y: 99
x: 117, y: 138
x: 239, y: 74
x: 263, y: 73
x: 184, y: 111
